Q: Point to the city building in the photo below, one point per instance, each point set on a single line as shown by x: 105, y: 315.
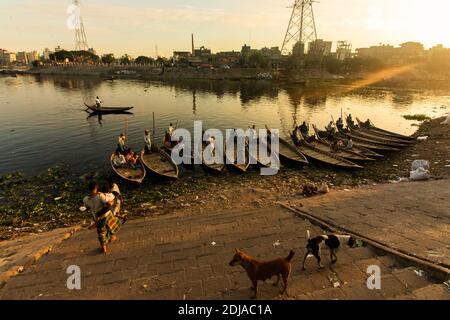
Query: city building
x: 32, y: 56
x: 230, y: 58
x: 7, y: 57
x: 319, y: 48
x: 46, y: 54
x: 22, y: 57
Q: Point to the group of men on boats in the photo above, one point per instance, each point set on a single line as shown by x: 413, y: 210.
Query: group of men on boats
x: 332, y: 130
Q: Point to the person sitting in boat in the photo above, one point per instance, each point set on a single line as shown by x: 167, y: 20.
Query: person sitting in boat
x: 147, y: 140
x: 349, y: 144
x: 98, y: 103
x: 131, y: 158
x: 119, y: 160
x: 367, y: 123
x: 122, y: 146
x: 331, y: 128
x: 106, y: 223
x: 340, y: 124
x: 304, y: 130
x: 350, y: 122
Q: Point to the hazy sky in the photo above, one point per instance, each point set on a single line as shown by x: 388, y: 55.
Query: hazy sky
x: 137, y: 26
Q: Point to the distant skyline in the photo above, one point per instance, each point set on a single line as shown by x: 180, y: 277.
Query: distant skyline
x: 136, y: 27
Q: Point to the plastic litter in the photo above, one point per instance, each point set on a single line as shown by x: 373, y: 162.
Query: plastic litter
x: 423, y: 138
x: 323, y: 188
x: 419, y: 272
x: 420, y: 175
x: 277, y: 243
x: 420, y: 164
x: 82, y: 209
x: 58, y: 198
x: 446, y: 121
x: 213, y: 243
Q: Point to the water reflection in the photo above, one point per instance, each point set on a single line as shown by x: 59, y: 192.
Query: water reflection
x: 49, y: 111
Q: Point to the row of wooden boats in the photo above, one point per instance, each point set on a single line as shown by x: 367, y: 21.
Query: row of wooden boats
x: 368, y: 144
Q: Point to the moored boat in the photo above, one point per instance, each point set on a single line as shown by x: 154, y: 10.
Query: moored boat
x: 323, y: 136
x: 370, y: 127
x: 132, y: 174
x: 160, y: 164
x: 319, y: 155
x: 215, y: 168
x: 356, y: 136
x: 383, y: 139
x: 288, y: 153
x: 233, y: 161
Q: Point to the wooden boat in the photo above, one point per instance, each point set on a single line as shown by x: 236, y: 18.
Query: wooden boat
x: 132, y: 175
x: 168, y: 147
x: 368, y: 145
x: 355, y: 136
x: 380, y: 131
x: 346, y: 154
x: 94, y: 108
x: 322, y: 136
x: 375, y: 137
x: 289, y: 154
x: 322, y: 156
x: 233, y: 161
x: 215, y: 168
x: 160, y: 164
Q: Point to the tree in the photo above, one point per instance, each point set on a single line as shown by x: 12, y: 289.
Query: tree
x: 144, y: 60
x: 257, y: 60
x: 108, y: 58
x: 125, y: 59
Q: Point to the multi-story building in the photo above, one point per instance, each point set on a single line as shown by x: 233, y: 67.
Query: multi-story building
x: 22, y: 57
x: 230, y: 58
x: 319, y: 48
x: 32, y: 56
x: 46, y: 54
x: 180, y: 55
x: 7, y: 57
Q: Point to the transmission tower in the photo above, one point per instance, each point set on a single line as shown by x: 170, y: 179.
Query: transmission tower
x: 80, y: 35
x: 302, y: 27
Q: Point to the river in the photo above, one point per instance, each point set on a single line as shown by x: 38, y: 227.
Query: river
x: 43, y: 121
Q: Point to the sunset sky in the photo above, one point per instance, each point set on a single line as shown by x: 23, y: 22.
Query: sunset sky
x: 137, y: 26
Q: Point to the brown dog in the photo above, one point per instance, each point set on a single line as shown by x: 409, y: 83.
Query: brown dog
x: 261, y: 271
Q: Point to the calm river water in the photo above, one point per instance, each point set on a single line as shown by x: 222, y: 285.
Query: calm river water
x: 43, y: 121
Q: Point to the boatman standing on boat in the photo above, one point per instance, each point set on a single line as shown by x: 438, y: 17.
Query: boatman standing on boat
x: 350, y: 122
x: 331, y: 129
x: 170, y: 130
x: 98, y: 103
x: 340, y: 124
x: 147, y: 140
x: 122, y: 145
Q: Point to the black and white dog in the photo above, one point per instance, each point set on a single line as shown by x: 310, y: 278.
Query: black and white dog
x: 332, y: 241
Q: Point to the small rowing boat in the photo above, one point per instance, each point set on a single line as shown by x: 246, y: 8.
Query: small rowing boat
x: 215, y: 168
x: 371, y: 128
x: 323, y: 136
x: 133, y: 174
x: 160, y: 164
x: 341, y: 152
x: 319, y: 155
x: 382, y: 142
x: 289, y: 154
x: 232, y: 159
x: 95, y: 109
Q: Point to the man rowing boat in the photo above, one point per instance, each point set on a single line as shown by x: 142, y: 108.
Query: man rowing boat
x: 98, y: 103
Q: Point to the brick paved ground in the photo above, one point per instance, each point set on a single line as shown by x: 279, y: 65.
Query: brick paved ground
x: 411, y: 217
x: 172, y: 257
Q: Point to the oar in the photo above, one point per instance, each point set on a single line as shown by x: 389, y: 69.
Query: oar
x: 153, y: 138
